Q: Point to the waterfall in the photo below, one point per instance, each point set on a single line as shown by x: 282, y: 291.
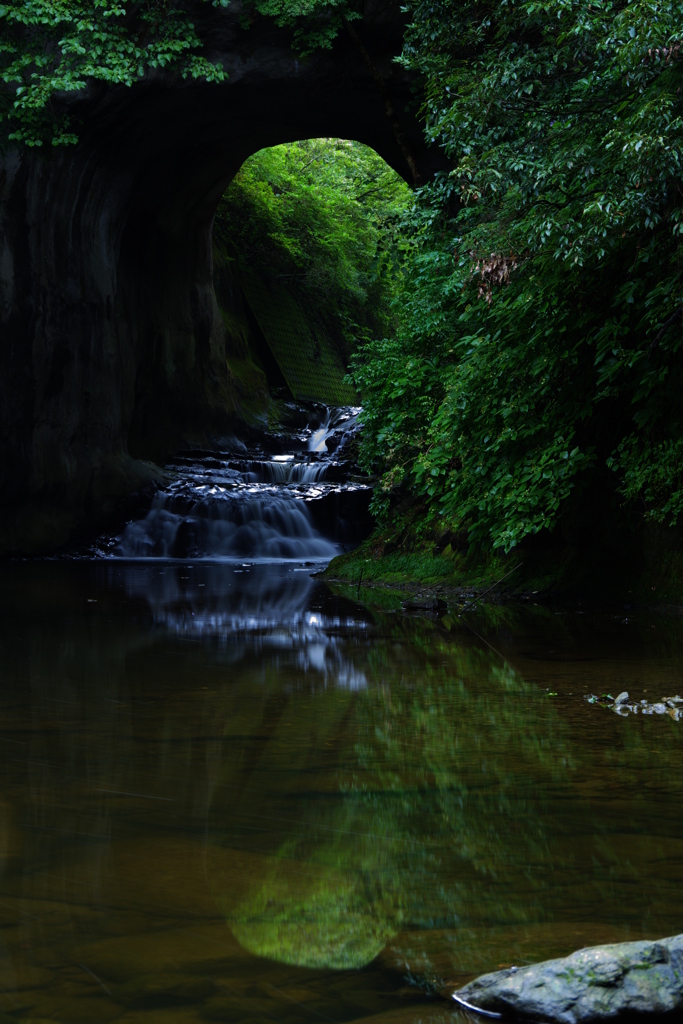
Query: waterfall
x: 250, y: 502
x: 270, y: 527
x: 334, y: 422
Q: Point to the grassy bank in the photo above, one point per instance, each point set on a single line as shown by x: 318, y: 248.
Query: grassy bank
x: 648, y: 571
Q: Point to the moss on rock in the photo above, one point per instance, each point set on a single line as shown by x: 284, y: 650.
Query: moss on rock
x: 601, y: 983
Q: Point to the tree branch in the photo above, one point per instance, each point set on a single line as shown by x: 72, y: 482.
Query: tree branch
x: 665, y: 327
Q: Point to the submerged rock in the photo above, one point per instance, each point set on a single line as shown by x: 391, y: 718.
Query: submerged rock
x: 600, y: 983
x: 425, y: 604
x: 622, y: 707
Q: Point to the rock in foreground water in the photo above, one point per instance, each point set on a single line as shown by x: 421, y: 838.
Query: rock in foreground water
x: 600, y: 983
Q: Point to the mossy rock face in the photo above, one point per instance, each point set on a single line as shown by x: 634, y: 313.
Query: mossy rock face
x: 251, y: 388
x: 601, y: 983
x: 307, y: 358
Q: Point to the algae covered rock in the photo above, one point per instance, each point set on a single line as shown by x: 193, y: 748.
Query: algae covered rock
x: 601, y: 983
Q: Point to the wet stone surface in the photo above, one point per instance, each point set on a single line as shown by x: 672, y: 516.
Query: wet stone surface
x: 623, y: 706
x: 292, y: 494
x: 603, y: 983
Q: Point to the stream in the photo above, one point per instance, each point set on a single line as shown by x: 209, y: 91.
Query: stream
x: 284, y: 496
x: 233, y: 792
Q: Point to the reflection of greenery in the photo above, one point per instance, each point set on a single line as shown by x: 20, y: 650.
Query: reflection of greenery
x: 375, y: 597
x: 429, y: 763
x: 451, y: 800
x: 406, y: 831
x: 312, y: 917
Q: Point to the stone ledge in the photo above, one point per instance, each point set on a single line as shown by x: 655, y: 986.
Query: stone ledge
x: 601, y: 983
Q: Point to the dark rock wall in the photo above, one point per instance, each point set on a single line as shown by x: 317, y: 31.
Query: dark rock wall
x: 112, y: 345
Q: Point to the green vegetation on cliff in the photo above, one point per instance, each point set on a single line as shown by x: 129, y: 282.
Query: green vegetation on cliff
x: 533, y: 385
x: 320, y: 217
x: 521, y: 316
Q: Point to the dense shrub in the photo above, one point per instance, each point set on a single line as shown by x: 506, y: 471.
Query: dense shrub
x: 539, y: 350
x: 321, y: 216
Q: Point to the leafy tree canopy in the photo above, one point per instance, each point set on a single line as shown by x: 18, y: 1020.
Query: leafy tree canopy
x: 316, y: 23
x: 540, y: 349
x: 49, y: 48
x: 321, y: 216
x: 53, y: 47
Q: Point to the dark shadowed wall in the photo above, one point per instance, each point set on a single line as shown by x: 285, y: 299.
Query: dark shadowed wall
x: 112, y: 348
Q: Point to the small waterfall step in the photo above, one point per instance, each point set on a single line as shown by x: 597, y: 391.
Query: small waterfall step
x: 290, y: 496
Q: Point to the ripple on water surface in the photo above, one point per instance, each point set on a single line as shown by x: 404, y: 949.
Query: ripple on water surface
x: 231, y: 794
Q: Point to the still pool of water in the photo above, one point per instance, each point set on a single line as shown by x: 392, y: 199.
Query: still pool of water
x: 229, y: 794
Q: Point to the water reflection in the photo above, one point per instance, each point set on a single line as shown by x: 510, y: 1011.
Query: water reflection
x: 228, y: 794
x: 274, y: 606
x: 411, y: 827
x: 221, y: 600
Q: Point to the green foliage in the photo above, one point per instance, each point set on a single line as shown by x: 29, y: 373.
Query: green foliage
x: 52, y: 47
x: 316, y: 23
x: 320, y: 216
x: 533, y: 353
x: 540, y: 345
x: 653, y: 474
x: 49, y: 48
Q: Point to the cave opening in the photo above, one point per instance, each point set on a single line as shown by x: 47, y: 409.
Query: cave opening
x: 125, y: 338
x: 306, y: 255
x: 306, y: 264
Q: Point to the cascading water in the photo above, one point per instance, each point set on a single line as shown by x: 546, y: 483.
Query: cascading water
x: 334, y: 422
x: 285, y: 497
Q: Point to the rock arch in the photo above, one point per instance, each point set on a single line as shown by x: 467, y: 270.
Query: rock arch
x: 108, y: 318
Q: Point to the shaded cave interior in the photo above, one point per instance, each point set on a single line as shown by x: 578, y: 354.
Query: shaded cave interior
x: 252, y: 339
x: 124, y: 336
